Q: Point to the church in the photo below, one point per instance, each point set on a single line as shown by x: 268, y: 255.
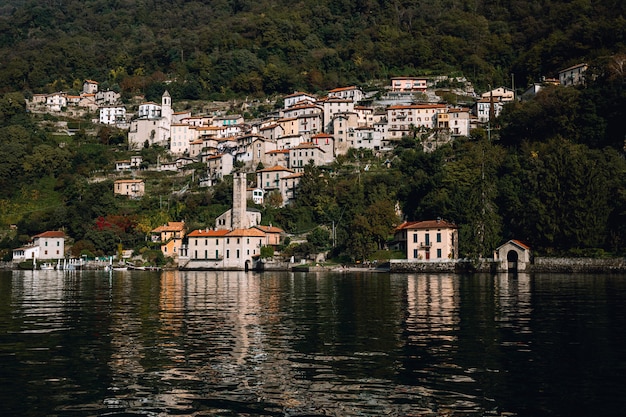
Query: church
x: 152, y: 125
x: 234, y: 244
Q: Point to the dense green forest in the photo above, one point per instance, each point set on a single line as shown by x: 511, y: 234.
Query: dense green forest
x: 215, y: 49
x: 551, y: 172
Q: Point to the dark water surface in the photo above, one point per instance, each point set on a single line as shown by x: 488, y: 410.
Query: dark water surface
x: 298, y: 344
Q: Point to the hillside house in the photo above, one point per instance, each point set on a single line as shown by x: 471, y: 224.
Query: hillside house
x: 573, y: 75
x: 332, y: 106
x: 298, y: 97
x: 304, y: 154
x: 112, y: 115
x: 428, y: 240
x: 409, y: 84
x: 277, y: 157
x: 152, y: 125
x: 46, y: 246
x: 90, y: 87
x: 355, y: 94
x: 107, y: 98
x: 130, y: 188
x: 170, y: 237
x: 403, y: 119
x: 502, y: 94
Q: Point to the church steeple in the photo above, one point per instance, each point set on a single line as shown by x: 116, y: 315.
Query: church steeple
x: 166, y: 107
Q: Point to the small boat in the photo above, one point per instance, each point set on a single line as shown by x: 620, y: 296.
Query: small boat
x: 46, y: 267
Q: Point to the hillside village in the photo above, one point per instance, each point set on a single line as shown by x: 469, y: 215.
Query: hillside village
x: 276, y: 148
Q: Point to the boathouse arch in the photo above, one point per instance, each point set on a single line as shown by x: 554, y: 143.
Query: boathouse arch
x: 512, y: 256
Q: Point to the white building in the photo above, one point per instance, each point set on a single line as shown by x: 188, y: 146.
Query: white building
x: 56, y: 101
x: 297, y: 97
x: 348, y: 93
x: 112, y: 115
x: 152, y: 127
x: 47, y: 246
x: 573, y: 75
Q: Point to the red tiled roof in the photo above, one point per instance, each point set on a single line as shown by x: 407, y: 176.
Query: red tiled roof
x: 247, y: 233
x: 51, y: 233
x: 269, y: 229
x: 208, y: 233
x: 517, y: 242
x: 170, y: 227
x: 275, y: 168
x: 427, y: 224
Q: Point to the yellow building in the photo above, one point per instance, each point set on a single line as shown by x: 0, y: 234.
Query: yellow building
x: 171, y: 237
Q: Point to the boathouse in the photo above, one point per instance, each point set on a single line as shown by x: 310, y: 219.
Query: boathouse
x: 512, y: 256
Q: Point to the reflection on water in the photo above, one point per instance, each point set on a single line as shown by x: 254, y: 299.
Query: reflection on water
x: 296, y: 344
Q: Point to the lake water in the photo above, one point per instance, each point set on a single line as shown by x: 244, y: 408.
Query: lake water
x: 311, y: 344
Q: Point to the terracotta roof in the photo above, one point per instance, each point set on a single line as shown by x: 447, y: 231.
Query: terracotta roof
x: 51, y: 233
x: 247, y: 233
x: 308, y: 145
x: 270, y: 229
x: 322, y: 135
x: 130, y: 181
x: 296, y: 175
x: 297, y: 93
x: 417, y: 106
x: 275, y: 168
x: 335, y: 90
x: 517, y: 242
x: 427, y: 224
x: 208, y: 233
x: 170, y: 227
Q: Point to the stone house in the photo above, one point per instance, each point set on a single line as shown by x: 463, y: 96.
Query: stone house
x: 132, y: 188
x: 512, y: 256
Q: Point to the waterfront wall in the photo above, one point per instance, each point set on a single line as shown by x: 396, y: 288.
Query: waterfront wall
x: 544, y: 264
x: 403, y: 265
x: 539, y: 264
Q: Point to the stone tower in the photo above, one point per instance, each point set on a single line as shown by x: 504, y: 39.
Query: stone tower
x: 238, y: 215
x: 166, y: 107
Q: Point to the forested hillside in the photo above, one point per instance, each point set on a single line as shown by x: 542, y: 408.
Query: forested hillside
x: 223, y: 47
x: 551, y: 171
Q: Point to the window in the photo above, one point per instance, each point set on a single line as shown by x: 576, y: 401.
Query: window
x: 415, y: 253
x: 438, y: 253
x: 227, y: 253
x: 438, y: 237
x: 427, y: 238
x: 415, y: 238
x: 237, y: 253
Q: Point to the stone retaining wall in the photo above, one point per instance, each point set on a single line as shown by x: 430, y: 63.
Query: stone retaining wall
x: 401, y: 265
x: 544, y: 264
